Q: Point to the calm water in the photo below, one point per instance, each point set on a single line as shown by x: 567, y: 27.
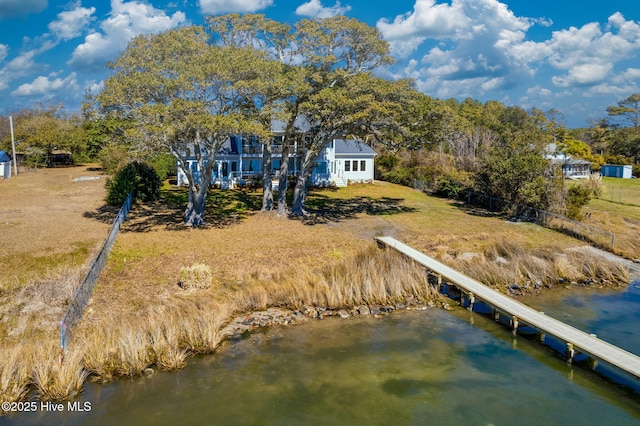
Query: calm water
x: 420, y: 367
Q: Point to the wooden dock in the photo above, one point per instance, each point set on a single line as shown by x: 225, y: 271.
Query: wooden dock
x: 585, y: 343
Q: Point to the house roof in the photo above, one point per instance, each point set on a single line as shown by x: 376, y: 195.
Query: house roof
x: 353, y: 147
x: 4, y: 157
x: 577, y: 161
x: 301, y: 124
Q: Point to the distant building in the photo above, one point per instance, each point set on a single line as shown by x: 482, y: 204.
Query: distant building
x: 618, y: 171
x: 572, y: 168
x: 5, y: 165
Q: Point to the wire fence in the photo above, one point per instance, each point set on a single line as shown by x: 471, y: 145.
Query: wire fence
x: 596, y: 236
x: 83, y: 293
x: 621, y: 194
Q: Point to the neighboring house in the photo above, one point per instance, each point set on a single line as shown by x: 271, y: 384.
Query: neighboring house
x: 576, y: 169
x: 618, y: 171
x: 572, y: 168
x: 5, y: 165
x: 241, y: 159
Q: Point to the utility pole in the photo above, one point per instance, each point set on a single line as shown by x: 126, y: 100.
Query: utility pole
x: 13, y: 146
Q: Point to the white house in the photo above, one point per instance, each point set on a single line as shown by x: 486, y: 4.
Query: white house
x: 344, y: 161
x: 5, y: 165
x: 241, y: 158
x: 572, y: 168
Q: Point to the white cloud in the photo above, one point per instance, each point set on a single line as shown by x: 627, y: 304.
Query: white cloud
x: 22, y: 64
x: 215, y: 7
x: 18, y: 67
x: 21, y: 7
x: 428, y: 20
x: 583, y: 75
x: 46, y: 87
x: 127, y: 19
x: 475, y: 47
x: 4, y: 51
x: 539, y: 91
x: 71, y: 23
x: 315, y: 9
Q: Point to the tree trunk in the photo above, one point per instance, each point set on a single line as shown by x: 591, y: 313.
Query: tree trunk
x: 283, y: 181
x: 194, y: 215
x: 300, y: 191
x: 267, y: 188
x: 300, y: 194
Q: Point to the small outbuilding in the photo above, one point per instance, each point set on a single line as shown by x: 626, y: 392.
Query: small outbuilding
x: 617, y: 171
x: 5, y: 165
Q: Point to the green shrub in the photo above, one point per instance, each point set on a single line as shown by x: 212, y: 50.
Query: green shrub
x: 138, y: 177
x: 165, y: 165
x: 452, y: 184
x: 400, y: 175
x: 113, y: 157
x: 578, y: 196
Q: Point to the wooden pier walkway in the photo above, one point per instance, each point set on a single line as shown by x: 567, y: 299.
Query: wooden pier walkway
x: 582, y: 342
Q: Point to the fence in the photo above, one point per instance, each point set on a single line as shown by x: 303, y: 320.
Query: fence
x: 83, y: 293
x: 621, y: 194
x: 596, y: 236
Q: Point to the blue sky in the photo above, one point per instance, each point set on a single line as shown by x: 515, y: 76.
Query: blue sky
x: 574, y: 55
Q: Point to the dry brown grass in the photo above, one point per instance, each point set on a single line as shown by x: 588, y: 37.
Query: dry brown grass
x: 44, y: 222
x: 15, y: 374
x: 54, y: 380
x: 505, y: 263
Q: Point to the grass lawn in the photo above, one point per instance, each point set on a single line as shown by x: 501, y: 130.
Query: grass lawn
x: 624, y: 191
x: 50, y: 219
x: 621, y: 218
x: 241, y: 245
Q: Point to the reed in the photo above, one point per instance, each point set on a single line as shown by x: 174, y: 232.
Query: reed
x: 15, y: 373
x: 101, y: 357
x: 505, y: 263
x: 164, y: 336
x: 133, y: 350
x: 371, y: 276
x: 54, y: 380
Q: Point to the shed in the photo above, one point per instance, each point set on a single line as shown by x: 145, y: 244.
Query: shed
x: 5, y: 165
x: 616, y: 170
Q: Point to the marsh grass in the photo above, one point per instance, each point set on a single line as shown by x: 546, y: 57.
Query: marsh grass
x: 504, y: 263
x: 370, y: 277
x: 15, y: 374
x: 54, y: 380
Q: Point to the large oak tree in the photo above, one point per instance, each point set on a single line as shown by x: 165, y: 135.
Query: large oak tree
x: 182, y: 94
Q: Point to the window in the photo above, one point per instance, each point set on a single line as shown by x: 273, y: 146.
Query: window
x: 355, y: 165
x: 363, y: 165
x: 347, y: 166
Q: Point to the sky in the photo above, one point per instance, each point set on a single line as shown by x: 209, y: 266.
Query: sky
x: 577, y: 56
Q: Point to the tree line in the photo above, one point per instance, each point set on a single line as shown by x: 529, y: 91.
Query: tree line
x: 180, y: 94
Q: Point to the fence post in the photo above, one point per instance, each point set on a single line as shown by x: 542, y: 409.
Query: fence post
x: 613, y: 240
